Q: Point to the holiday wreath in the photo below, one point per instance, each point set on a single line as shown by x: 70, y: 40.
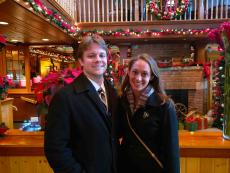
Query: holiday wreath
x: 167, y: 10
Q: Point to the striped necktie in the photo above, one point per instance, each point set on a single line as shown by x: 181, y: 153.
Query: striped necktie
x: 102, y: 96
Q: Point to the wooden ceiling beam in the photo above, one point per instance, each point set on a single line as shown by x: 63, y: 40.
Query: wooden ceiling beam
x: 29, y: 27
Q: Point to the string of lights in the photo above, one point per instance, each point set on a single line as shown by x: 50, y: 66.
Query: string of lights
x: 56, y: 56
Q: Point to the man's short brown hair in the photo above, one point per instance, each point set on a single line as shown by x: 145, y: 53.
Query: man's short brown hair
x: 87, y: 41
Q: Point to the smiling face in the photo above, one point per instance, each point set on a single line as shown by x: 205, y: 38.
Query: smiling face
x: 139, y: 76
x: 94, y: 61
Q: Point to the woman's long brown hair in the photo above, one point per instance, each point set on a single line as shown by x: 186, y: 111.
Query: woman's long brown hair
x: 155, y: 80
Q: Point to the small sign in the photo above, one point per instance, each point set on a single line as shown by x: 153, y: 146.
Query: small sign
x: 34, y: 119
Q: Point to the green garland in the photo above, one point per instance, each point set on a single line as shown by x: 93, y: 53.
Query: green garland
x: 52, y: 16
x: 226, y: 87
x: 221, y: 35
x: 151, y: 33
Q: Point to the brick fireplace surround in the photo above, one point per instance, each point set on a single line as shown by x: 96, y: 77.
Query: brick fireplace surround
x: 191, y: 79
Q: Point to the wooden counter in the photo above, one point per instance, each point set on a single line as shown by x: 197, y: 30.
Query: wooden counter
x: 204, y: 144
x: 200, y: 152
x: 20, y: 143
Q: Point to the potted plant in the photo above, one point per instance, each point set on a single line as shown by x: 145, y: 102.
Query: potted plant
x: 5, y: 83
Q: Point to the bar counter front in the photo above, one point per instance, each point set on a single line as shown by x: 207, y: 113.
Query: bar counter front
x: 201, y: 152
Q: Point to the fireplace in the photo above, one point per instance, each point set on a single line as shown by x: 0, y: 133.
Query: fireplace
x: 187, y: 86
x: 178, y: 96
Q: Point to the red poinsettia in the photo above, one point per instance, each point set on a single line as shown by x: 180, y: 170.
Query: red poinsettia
x: 54, y: 81
x: 215, y: 35
x: 5, y: 83
x: 225, y: 27
x: 2, y: 40
x: 206, y: 70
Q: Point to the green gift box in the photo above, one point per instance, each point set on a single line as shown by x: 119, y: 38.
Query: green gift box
x: 193, y: 126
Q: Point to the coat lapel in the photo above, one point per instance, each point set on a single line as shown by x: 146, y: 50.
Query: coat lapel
x: 109, y: 96
x: 82, y: 84
x: 126, y: 106
x: 94, y: 97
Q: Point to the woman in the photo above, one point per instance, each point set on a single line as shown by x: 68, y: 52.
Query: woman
x: 149, y: 124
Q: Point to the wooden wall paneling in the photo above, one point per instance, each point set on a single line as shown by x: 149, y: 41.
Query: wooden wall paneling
x: 23, y: 148
x: 221, y: 165
x: 24, y: 164
x: 4, y: 164
x: 39, y: 164
x: 229, y: 165
x: 192, y: 165
x: 183, y: 165
x: 207, y: 165
x: 204, y: 165
x: 43, y: 166
x: 14, y: 165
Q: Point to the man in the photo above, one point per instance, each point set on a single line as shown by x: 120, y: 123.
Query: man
x: 80, y: 135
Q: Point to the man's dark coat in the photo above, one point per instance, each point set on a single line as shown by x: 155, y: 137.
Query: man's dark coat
x: 79, y: 136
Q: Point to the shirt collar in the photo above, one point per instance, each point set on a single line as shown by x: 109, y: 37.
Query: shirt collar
x: 96, y: 86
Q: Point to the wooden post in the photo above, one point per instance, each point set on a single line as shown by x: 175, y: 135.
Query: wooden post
x: 2, y: 62
x: 201, y: 9
x: 27, y: 68
x: 136, y: 10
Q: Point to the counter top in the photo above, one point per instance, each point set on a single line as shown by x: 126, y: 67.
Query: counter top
x: 204, y: 144
x: 19, y: 143
x: 192, y: 144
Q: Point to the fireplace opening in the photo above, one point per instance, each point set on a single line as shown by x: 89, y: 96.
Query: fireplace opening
x: 180, y: 98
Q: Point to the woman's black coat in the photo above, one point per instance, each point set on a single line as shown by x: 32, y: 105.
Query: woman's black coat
x: 79, y: 136
x: 157, y: 126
